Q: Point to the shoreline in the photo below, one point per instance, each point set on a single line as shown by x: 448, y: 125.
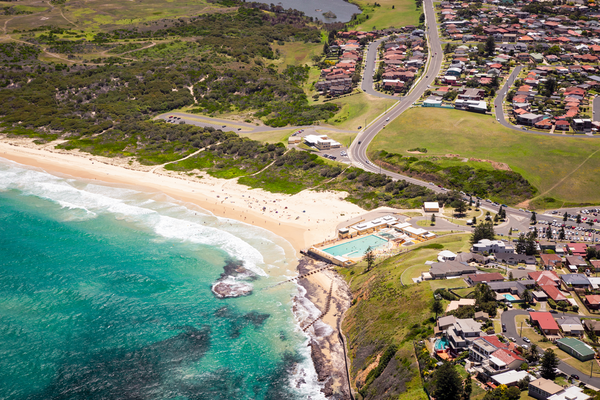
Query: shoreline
x: 302, y: 219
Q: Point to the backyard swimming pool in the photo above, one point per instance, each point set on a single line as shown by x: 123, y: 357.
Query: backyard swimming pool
x: 356, y: 248
x: 441, y: 344
x: 509, y: 297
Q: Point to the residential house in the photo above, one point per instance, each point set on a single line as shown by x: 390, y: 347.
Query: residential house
x: 575, y: 262
x: 474, y: 279
x: 549, y: 261
x: 575, y: 281
x: 492, y: 246
x: 592, y: 301
x: 593, y: 325
x: 462, y: 333
x: 542, y: 389
x: 450, y: 269
x: 570, y: 325
x: 545, y: 322
x: 571, y: 393
x: 514, y: 259
x: 510, y: 378
x: 443, y: 323
x: 576, y: 348
x: 545, y: 278
x: 554, y: 293
x: 577, y: 249
x: 456, y: 304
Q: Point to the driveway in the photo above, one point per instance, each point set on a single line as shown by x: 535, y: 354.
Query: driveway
x: 508, y: 318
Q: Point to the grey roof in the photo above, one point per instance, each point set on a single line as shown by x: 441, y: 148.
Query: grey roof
x: 515, y: 258
x: 568, y: 320
x: 468, y: 325
x: 519, y: 286
x: 445, y: 321
x: 451, y: 268
x: 575, y: 279
x: 468, y: 257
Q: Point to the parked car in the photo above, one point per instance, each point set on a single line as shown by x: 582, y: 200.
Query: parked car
x: 512, y: 339
x: 526, y: 339
x: 574, y: 376
x: 503, y: 327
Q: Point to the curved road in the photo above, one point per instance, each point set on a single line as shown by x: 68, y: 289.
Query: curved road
x: 508, y: 318
x: 358, y: 149
x: 367, y: 82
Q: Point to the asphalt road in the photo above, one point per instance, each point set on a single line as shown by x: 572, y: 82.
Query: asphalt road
x: 358, y: 148
x: 502, y: 95
x: 367, y: 82
x: 508, y: 318
x: 596, y: 109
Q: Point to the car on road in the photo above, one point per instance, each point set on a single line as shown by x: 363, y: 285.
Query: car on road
x: 359, y: 142
x: 503, y: 327
x: 574, y: 376
x: 525, y: 347
x: 529, y: 309
x: 526, y: 339
x: 239, y: 129
x: 512, y: 339
x: 387, y: 119
x: 224, y: 126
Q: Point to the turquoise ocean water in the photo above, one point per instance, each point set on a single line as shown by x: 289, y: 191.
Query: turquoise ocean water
x: 105, y: 293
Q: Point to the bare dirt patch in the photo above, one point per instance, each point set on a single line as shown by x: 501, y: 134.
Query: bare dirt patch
x: 496, y: 165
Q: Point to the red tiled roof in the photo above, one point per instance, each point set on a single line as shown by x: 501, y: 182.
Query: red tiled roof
x: 544, y: 319
x: 553, y: 292
x: 537, y: 275
x: 506, y: 355
x: 593, y: 299
x: 494, y: 341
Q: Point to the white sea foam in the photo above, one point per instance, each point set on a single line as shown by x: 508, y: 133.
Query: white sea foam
x: 174, y: 222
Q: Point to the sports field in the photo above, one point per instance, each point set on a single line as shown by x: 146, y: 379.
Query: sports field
x: 565, y: 168
x: 404, y: 13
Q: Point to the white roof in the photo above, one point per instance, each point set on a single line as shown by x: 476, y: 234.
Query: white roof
x: 506, y: 378
x: 595, y: 281
x: 446, y: 253
x: 431, y: 204
x: 570, y: 393
x: 388, y: 219
x: 497, y: 361
x: 340, y: 258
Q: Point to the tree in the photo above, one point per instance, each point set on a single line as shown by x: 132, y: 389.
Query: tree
x: 511, y: 276
x: 477, y: 205
x: 474, y: 221
x: 490, y: 45
x: 533, y: 219
x: 437, y: 307
x: 533, y: 354
x: 578, y: 219
x: 460, y: 207
x: 565, y: 217
x: 468, y: 388
x: 484, y: 230
x: 432, y: 219
x: 447, y: 382
x: 548, y: 233
x: 369, y: 258
x: 549, y: 363
x: 561, y: 234
x: 526, y: 296
x: 590, y: 253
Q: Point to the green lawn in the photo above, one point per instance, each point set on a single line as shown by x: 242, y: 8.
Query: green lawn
x: 403, y: 13
x: 358, y: 110
x: 269, y: 136
x: 297, y: 53
x: 564, y: 168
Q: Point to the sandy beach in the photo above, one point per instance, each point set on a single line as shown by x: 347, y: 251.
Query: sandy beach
x: 303, y: 219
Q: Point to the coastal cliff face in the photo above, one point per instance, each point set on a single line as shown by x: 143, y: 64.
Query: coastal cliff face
x: 330, y: 297
x: 384, y: 320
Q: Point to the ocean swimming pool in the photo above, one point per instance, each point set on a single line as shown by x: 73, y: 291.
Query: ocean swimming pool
x: 356, y: 248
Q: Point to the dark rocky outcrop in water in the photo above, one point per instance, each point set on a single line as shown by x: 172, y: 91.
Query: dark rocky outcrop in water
x: 239, y: 322
x: 120, y: 374
x: 234, y: 281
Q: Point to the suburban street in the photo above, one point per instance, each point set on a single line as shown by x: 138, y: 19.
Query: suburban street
x: 508, y: 318
x: 358, y: 149
x: 501, y: 95
x: 367, y: 82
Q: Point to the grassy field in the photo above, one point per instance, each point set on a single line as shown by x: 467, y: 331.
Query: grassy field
x: 297, y: 53
x: 403, y: 13
x: 358, y: 110
x: 100, y: 15
x: 562, y: 168
x: 269, y: 136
